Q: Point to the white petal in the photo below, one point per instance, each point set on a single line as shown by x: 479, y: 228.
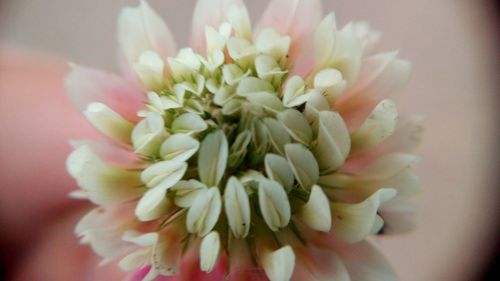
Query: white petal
x: 316, y: 212
x: 164, y: 174
x: 387, y: 166
x: 205, y: 211
x: 104, y: 184
x: 296, y: 18
x: 186, y: 192
x: 237, y: 16
x: 279, y: 265
x: 277, y: 134
x: 252, y: 85
x: 334, y: 143
x: 141, y: 29
x: 237, y: 206
x: 303, y: 164
x: 103, y: 228
x: 189, y: 123
x: 379, y: 125
x: 267, y: 68
x: 212, y: 158
x: 148, y: 134
x: 353, y: 222
x: 135, y: 260
x: 109, y: 122
x: 278, y: 169
x: 153, y: 204
x: 233, y: 74
x: 296, y: 125
x: 209, y: 251
x: 382, y: 75
x: 330, y: 83
x: 272, y: 43
x: 315, y: 104
x: 274, y: 205
x: 294, y: 92
x: 239, y: 148
x: 241, y: 50
x: 268, y: 101
x: 209, y: 13
x: 179, y: 147
x: 324, y: 41
x: 149, y: 68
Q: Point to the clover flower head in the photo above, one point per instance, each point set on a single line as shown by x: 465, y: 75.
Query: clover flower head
x: 275, y: 148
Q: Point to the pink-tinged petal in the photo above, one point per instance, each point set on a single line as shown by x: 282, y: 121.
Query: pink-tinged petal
x: 297, y: 19
x: 381, y: 76
x: 209, y: 13
x: 190, y: 266
x: 85, y: 85
x: 103, y: 228
x: 111, y: 154
x: 141, y: 29
x: 364, y: 262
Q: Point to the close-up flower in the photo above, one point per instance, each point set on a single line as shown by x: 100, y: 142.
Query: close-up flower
x: 261, y: 151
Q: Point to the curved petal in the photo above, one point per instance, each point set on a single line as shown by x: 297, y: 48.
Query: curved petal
x: 381, y: 76
x: 103, y: 183
x: 141, y: 29
x: 295, y: 18
x: 85, y: 85
x: 103, y: 228
x: 353, y: 222
x: 209, y: 13
x: 365, y: 263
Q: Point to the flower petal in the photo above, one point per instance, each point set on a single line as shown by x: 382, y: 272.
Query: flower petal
x: 316, y: 212
x: 296, y: 125
x: 212, y: 158
x: 153, y: 204
x: 333, y: 143
x: 303, y: 164
x: 164, y: 174
x: 103, y: 228
x: 109, y: 122
x: 86, y: 85
x: 237, y: 206
x: 353, y: 222
x: 379, y: 125
x: 278, y: 169
x: 104, y: 184
x: 179, y: 147
x: 141, y: 29
x: 274, y: 205
x: 279, y: 265
x: 205, y: 211
x: 381, y: 76
x: 209, y: 251
x: 296, y: 18
x: 210, y: 13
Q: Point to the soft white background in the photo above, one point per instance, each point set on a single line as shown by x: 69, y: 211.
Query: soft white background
x: 450, y: 43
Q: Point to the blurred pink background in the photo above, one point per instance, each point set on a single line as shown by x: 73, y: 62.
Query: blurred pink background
x: 452, y: 46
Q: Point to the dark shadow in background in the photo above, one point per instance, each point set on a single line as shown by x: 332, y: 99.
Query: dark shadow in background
x: 491, y: 270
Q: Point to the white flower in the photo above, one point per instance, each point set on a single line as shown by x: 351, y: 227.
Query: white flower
x: 278, y: 146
